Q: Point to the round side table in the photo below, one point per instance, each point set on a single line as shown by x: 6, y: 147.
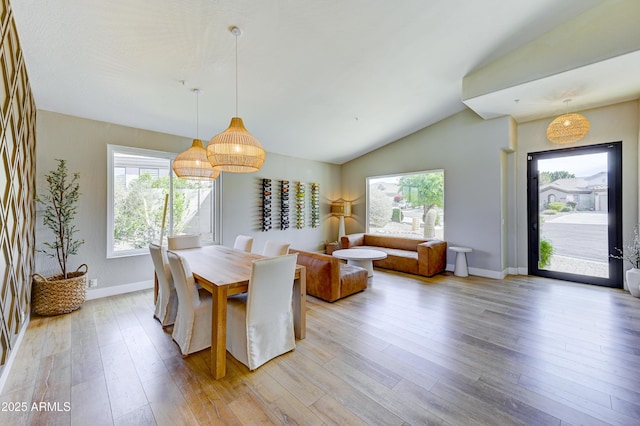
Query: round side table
x: 461, y: 268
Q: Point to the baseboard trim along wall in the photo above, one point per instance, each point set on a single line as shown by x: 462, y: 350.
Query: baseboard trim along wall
x: 98, y: 293
x: 497, y: 275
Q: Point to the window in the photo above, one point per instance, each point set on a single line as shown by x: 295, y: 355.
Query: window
x: 410, y: 205
x: 139, y: 181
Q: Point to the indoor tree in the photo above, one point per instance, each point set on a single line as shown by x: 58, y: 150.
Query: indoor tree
x: 60, y: 202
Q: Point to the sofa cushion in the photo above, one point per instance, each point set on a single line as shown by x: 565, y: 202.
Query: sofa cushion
x: 352, y: 279
x: 400, y: 243
x: 398, y: 260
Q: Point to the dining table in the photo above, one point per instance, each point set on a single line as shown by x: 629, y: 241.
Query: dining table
x: 223, y: 272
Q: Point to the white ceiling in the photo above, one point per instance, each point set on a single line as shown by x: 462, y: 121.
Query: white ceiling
x: 324, y: 80
x: 602, y: 83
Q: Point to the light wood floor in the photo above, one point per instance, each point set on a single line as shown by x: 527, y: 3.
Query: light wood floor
x: 408, y: 350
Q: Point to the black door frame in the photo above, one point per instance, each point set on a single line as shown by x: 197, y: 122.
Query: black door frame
x: 614, y: 201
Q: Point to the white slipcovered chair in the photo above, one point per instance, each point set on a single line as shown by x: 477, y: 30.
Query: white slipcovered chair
x: 181, y: 242
x: 243, y: 242
x: 260, y: 322
x: 192, y: 329
x: 167, y: 301
x: 275, y: 248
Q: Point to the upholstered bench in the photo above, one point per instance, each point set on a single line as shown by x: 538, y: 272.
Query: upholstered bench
x: 328, y: 278
x: 418, y: 256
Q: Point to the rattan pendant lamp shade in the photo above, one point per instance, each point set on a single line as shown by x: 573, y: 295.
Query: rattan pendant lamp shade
x: 568, y: 128
x: 236, y: 150
x: 193, y: 163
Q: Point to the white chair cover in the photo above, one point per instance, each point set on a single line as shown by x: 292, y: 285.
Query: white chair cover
x: 275, y: 248
x: 180, y: 242
x: 192, y: 330
x: 260, y: 322
x: 243, y: 242
x: 167, y: 302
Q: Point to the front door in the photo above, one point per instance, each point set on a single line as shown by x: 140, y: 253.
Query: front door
x: 575, y: 213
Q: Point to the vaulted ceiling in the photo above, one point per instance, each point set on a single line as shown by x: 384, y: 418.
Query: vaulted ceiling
x: 324, y: 80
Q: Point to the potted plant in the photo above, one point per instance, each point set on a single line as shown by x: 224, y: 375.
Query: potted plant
x: 631, y: 253
x: 546, y: 251
x: 64, y: 292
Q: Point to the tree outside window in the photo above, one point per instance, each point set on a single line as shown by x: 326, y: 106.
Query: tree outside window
x: 140, y: 181
x: 407, y: 205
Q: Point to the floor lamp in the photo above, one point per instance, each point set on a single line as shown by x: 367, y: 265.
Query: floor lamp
x: 341, y: 209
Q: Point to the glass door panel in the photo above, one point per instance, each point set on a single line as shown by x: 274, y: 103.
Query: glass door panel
x: 574, y: 208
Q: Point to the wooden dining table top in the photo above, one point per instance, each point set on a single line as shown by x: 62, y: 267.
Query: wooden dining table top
x: 217, y: 265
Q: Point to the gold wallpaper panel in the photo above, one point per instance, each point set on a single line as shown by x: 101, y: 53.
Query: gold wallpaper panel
x: 17, y: 185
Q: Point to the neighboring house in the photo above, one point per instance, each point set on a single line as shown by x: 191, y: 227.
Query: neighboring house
x: 599, y: 179
x: 589, y: 193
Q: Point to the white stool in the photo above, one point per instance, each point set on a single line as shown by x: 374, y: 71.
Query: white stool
x: 461, y: 269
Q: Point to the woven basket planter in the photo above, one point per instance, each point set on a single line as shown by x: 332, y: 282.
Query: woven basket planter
x: 56, y: 295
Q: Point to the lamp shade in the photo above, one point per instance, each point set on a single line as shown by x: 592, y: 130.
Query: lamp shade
x: 568, y: 128
x: 235, y: 150
x: 341, y: 208
x: 193, y: 163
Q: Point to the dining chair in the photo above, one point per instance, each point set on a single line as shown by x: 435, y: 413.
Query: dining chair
x: 243, y: 242
x: 260, y: 321
x: 192, y: 329
x: 181, y: 242
x: 275, y: 248
x: 167, y: 301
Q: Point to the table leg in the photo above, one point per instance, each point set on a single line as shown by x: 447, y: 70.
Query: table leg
x: 300, y: 304
x: 461, y: 269
x: 155, y: 288
x: 366, y: 264
x: 219, y: 331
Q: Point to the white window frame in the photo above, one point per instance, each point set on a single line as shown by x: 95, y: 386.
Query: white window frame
x: 113, y: 149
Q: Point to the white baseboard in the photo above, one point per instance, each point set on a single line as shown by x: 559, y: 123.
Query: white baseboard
x: 14, y: 351
x: 98, y: 293
x: 497, y: 275
x: 516, y: 270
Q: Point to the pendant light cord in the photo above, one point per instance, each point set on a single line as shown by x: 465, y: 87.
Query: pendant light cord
x: 197, y: 114
x: 236, y: 35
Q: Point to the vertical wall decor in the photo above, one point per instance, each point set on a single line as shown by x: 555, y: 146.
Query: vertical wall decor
x: 266, y: 204
x: 17, y: 185
x: 315, y: 205
x: 300, y: 205
x: 284, y: 204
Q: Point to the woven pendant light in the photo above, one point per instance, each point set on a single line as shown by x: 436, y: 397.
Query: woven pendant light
x: 236, y: 150
x: 568, y: 128
x: 193, y: 163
